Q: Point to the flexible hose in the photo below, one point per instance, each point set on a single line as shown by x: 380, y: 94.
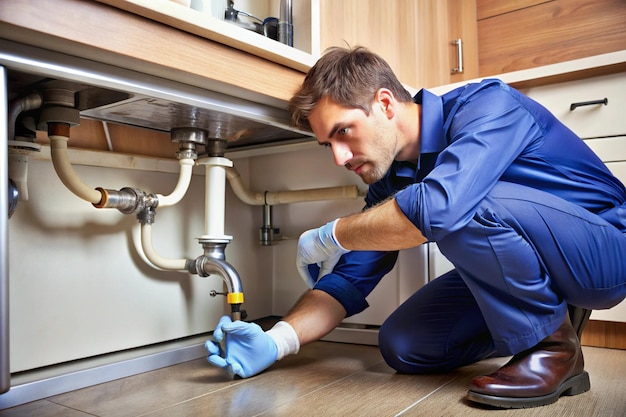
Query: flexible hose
x: 67, y: 175
x: 184, y: 179
x: 153, y: 257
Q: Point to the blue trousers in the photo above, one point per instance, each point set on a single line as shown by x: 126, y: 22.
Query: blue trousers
x: 523, y: 257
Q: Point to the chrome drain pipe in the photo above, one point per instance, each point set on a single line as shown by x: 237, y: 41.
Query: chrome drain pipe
x: 214, y: 262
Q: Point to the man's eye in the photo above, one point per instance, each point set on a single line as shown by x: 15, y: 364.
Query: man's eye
x: 343, y: 131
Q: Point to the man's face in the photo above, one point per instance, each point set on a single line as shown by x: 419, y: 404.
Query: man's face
x: 364, y: 144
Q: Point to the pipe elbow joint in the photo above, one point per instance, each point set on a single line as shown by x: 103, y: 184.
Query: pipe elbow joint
x: 205, y: 266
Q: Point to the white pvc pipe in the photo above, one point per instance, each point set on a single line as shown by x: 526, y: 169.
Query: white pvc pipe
x: 67, y: 175
x: 312, y: 194
x: 287, y: 197
x: 184, y: 179
x: 236, y: 183
x: 215, y: 197
x: 155, y: 258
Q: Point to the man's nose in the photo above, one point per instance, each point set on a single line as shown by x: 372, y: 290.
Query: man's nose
x: 341, y: 153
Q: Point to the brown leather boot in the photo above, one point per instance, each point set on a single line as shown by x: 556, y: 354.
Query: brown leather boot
x: 537, y: 376
x: 579, y: 317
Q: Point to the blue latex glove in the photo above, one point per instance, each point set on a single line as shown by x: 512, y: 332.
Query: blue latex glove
x: 318, y: 247
x: 249, y: 350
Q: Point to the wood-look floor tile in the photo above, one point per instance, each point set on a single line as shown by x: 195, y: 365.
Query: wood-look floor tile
x: 376, y: 391
x: 606, y: 398
x: 317, y: 366
x: 146, y: 392
x: 42, y: 408
x: 324, y: 379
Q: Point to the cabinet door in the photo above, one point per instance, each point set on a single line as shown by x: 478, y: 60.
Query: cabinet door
x: 531, y: 33
x: 415, y: 37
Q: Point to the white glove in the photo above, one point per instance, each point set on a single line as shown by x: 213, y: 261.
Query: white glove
x: 318, y: 247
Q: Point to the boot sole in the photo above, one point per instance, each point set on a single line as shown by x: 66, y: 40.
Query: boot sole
x: 572, y: 386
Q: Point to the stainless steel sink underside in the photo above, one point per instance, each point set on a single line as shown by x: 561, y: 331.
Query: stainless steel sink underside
x: 121, y: 96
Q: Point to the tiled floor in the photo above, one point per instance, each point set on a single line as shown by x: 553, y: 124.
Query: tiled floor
x: 324, y: 379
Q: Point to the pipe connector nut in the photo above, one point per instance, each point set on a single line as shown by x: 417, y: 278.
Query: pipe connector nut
x: 196, y: 266
x: 127, y: 200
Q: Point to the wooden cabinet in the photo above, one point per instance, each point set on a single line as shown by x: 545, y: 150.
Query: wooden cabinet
x: 415, y: 37
x: 523, y: 34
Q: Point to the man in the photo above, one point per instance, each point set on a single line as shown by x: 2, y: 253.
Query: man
x: 531, y: 219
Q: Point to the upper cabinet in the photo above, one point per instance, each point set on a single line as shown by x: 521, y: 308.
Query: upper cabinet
x: 417, y: 38
x: 524, y: 34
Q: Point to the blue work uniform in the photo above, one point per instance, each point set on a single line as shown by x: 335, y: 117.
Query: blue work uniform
x: 528, y: 215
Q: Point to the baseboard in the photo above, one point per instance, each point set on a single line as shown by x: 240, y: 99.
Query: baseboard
x: 606, y: 334
x: 346, y: 333
x: 42, y: 383
x: 58, y: 379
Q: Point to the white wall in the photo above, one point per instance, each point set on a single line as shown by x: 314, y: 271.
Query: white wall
x: 313, y: 168
x: 78, y: 287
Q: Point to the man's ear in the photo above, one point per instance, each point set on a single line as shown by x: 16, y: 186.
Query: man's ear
x: 386, y: 100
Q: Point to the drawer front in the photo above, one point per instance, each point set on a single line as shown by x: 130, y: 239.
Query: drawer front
x: 613, y: 152
x: 609, y: 149
x: 618, y: 169
x: 588, y: 121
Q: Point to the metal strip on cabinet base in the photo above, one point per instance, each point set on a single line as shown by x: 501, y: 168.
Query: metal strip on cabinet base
x: 47, y: 387
x: 358, y: 334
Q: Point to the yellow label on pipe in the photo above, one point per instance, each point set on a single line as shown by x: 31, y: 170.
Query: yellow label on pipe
x: 235, y: 298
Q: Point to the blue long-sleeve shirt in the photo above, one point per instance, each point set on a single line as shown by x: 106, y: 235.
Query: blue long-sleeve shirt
x: 471, y: 138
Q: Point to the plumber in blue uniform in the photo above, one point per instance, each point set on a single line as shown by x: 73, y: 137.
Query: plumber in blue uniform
x: 533, y: 222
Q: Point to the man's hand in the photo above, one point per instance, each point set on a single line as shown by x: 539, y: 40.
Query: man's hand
x: 318, y: 247
x: 249, y: 350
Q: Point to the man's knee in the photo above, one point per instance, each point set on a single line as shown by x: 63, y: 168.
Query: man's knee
x: 406, y: 353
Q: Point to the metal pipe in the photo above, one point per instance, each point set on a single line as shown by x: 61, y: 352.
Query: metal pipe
x: 5, y: 370
x: 214, y: 262
x: 267, y: 229
x: 19, y: 105
x: 221, y: 267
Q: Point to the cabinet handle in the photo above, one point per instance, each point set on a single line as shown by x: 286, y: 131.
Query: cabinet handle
x: 604, y: 101
x: 459, y: 56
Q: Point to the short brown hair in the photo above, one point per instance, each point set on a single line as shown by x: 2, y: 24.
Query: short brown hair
x: 350, y: 77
